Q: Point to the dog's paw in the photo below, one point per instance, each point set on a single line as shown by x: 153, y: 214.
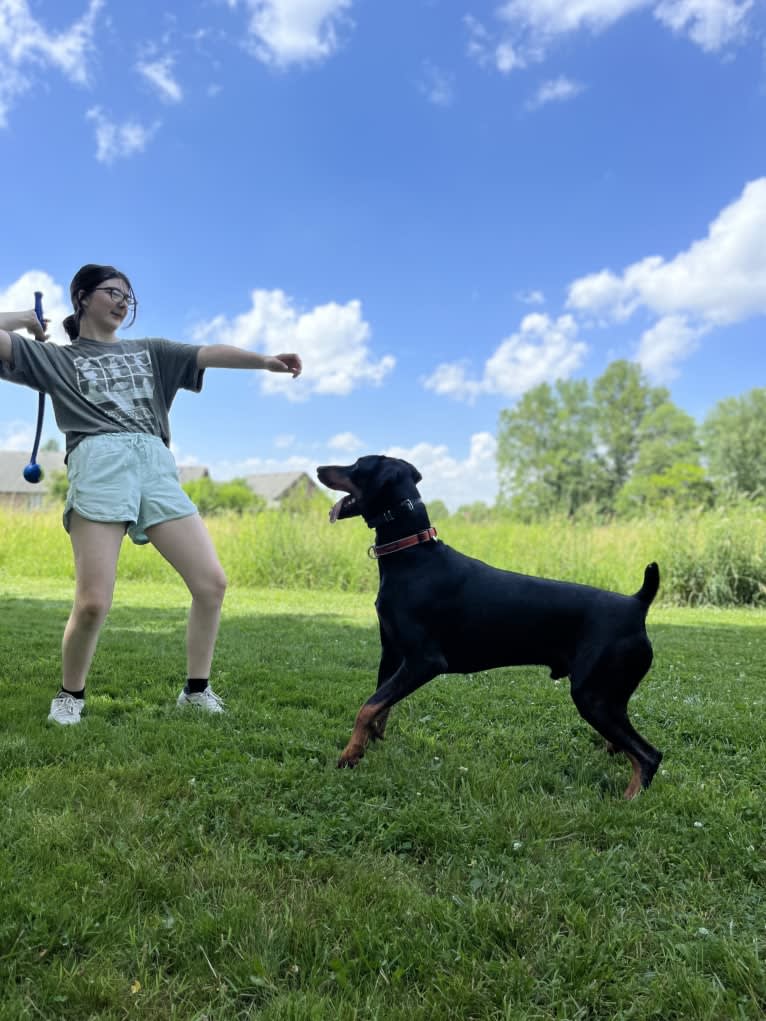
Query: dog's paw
x: 351, y: 757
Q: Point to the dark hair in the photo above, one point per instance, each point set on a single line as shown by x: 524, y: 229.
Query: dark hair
x: 87, y: 279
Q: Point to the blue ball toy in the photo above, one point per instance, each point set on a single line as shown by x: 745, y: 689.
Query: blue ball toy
x: 33, y: 472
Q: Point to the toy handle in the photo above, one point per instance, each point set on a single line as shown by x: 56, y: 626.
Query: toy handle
x: 39, y: 307
x: 33, y: 472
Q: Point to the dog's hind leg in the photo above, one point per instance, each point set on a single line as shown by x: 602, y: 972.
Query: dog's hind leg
x: 601, y: 697
x: 405, y: 680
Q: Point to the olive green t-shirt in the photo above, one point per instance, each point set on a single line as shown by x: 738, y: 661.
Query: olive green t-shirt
x: 99, y: 387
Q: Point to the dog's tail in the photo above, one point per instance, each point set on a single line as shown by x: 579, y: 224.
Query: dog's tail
x: 648, y: 590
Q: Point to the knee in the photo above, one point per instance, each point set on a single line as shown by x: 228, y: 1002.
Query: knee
x: 211, y: 589
x: 90, y: 609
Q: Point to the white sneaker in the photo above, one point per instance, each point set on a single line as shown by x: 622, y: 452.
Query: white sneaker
x: 66, y: 709
x: 207, y: 700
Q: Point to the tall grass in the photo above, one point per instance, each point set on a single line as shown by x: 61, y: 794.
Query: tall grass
x: 716, y: 558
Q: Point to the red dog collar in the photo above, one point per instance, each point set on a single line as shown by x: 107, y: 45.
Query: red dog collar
x: 392, y: 547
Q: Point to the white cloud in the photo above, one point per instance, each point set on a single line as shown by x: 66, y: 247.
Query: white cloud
x: 544, y: 349
x: 18, y: 435
x: 487, y: 51
x: 118, y: 141
x: 285, y: 32
x: 332, y: 340
x: 20, y: 295
x: 531, y: 297
x: 670, y: 340
x: 528, y: 28
x: 719, y: 280
x: 711, y: 24
x: 556, y: 90
x: 436, y: 85
x: 27, y: 47
x: 451, y: 479
x: 347, y: 443
x: 546, y: 18
x: 284, y: 441
x: 159, y: 74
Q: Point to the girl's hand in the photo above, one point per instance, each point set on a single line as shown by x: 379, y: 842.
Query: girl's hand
x: 11, y: 321
x: 32, y: 324
x: 285, y: 363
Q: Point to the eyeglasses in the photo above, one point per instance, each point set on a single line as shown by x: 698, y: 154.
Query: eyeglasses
x: 118, y: 296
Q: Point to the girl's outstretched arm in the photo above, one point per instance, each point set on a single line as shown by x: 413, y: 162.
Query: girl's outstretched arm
x: 226, y: 356
x: 18, y: 321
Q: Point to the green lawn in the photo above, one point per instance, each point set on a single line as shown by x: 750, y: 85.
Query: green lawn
x: 481, y: 863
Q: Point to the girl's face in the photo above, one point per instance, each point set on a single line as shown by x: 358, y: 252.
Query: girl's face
x: 107, y: 305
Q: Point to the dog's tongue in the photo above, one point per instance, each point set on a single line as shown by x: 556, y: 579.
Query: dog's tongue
x: 335, y: 510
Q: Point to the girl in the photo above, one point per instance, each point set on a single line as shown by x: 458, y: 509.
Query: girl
x: 111, y: 399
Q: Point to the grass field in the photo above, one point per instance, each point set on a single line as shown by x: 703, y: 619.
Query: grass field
x: 480, y: 864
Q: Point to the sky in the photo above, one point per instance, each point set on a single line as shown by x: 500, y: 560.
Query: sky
x: 439, y: 204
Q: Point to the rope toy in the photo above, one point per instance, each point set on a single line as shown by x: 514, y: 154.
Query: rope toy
x: 33, y: 472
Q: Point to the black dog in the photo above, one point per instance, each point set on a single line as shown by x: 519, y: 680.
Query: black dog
x: 443, y: 612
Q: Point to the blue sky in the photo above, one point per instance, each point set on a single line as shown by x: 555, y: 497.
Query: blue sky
x: 438, y: 204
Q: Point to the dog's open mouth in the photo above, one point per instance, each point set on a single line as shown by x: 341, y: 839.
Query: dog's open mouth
x: 343, y: 508
x: 337, y: 478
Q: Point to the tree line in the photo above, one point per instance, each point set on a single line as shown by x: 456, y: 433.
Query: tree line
x: 620, y: 446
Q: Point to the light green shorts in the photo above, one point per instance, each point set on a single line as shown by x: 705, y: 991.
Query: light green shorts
x: 130, y: 477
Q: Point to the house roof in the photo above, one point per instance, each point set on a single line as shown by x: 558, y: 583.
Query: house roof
x: 192, y: 472
x: 277, y: 484
x: 13, y: 463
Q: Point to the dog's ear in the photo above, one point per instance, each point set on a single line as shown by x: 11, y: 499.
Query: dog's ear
x: 416, y: 476
x: 405, y: 469
x: 397, y: 470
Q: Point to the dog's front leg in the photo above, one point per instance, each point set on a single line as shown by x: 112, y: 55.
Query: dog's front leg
x: 407, y: 678
x: 390, y: 661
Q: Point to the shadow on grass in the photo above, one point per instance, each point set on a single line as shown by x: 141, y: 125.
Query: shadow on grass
x: 291, y: 674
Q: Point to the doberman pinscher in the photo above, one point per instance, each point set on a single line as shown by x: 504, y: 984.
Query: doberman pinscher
x: 443, y: 612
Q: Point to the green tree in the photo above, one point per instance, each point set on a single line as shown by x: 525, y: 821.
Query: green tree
x: 545, y: 453
x: 214, y: 497
x: 477, y: 511
x: 680, y: 486
x: 58, y: 486
x: 437, y: 510
x: 622, y: 400
x: 668, y: 472
x: 666, y: 436
x: 734, y: 444
x: 568, y: 448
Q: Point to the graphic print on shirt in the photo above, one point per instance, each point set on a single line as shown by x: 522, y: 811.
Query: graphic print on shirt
x: 120, y: 385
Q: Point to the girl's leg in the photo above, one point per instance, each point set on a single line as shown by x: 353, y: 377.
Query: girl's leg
x: 96, y: 547
x: 187, y: 546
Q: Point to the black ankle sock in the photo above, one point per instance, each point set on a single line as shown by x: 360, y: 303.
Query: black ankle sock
x: 195, y: 684
x: 74, y: 694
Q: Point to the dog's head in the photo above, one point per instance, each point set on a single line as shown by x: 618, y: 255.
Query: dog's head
x: 373, y: 484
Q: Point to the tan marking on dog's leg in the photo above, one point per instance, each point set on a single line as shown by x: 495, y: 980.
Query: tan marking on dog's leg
x: 360, y: 736
x: 634, y: 787
x: 378, y: 726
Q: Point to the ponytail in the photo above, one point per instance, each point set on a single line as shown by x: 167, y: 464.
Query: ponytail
x: 72, y: 326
